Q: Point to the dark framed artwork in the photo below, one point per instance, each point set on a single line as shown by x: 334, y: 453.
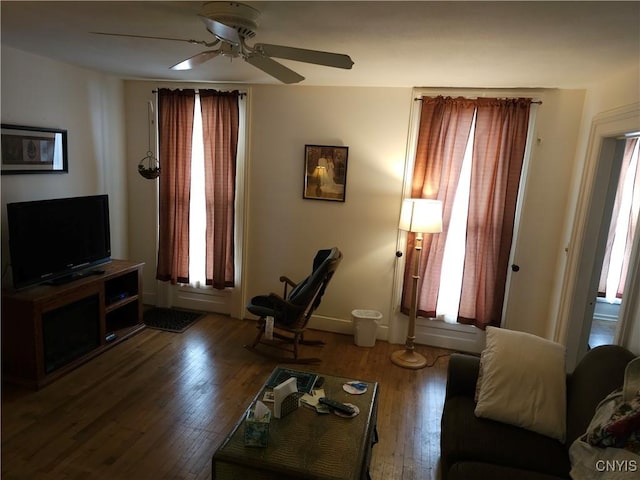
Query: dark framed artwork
x: 33, y: 150
x: 325, y: 172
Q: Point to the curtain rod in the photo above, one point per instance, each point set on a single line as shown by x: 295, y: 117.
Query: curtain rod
x: 240, y: 94
x: 538, y: 102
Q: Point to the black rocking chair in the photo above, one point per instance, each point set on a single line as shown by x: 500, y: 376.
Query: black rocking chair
x: 291, y: 312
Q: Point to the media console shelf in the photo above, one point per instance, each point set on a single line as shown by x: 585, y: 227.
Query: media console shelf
x: 49, y: 330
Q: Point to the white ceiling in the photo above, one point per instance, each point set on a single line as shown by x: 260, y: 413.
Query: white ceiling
x: 444, y: 44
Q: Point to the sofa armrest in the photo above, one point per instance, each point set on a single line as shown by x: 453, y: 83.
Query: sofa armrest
x: 462, y: 375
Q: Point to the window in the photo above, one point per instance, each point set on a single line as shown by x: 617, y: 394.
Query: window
x: 453, y: 258
x: 469, y: 155
x: 186, y: 153
x: 197, y: 205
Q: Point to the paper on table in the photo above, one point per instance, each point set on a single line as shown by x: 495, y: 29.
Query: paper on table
x: 312, y: 400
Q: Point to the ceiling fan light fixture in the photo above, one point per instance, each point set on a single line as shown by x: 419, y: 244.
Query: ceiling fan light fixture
x: 228, y: 50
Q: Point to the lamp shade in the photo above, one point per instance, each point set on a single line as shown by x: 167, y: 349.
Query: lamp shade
x: 321, y: 174
x: 421, y: 215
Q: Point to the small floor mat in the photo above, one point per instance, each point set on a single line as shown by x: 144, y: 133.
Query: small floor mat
x: 171, y: 319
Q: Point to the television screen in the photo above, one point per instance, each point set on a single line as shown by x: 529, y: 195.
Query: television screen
x: 53, y: 239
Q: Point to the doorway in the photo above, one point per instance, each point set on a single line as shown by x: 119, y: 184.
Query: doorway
x: 621, y: 229
x: 588, y: 240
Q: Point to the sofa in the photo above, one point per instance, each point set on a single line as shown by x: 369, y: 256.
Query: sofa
x: 481, y: 448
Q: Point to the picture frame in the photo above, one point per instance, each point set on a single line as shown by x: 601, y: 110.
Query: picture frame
x: 33, y: 150
x: 325, y: 172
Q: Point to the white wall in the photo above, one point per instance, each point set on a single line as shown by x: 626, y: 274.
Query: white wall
x: 285, y: 230
x: 40, y: 92
x: 619, y: 89
x: 143, y: 211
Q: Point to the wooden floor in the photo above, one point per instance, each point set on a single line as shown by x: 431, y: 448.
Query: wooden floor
x: 603, y: 332
x: 158, y: 405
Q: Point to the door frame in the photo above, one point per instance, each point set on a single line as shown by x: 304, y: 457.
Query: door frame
x: 574, y: 320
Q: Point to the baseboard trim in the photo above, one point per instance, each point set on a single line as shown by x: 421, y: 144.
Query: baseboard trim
x: 464, y: 338
x: 606, y: 311
x: 205, y: 300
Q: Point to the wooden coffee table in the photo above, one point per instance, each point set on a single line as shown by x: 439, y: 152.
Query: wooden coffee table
x: 305, y: 444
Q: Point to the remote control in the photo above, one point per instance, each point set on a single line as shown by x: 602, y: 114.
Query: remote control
x: 341, y: 407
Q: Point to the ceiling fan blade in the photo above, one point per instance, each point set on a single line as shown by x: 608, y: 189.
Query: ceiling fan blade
x: 328, y: 59
x: 222, y: 31
x: 193, y: 42
x: 273, y: 68
x: 196, y: 60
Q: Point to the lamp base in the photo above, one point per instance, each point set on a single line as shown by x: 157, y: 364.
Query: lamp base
x: 408, y: 359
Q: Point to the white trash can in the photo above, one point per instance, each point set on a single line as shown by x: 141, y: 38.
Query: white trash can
x: 365, y: 327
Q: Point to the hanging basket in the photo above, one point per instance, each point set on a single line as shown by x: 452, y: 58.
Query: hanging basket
x: 149, y: 167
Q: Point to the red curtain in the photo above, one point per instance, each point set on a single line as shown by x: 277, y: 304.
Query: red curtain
x: 498, y: 152
x: 220, y: 129
x: 175, y: 131
x: 445, y: 124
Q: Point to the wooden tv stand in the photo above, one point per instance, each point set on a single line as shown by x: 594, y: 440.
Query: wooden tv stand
x: 48, y: 330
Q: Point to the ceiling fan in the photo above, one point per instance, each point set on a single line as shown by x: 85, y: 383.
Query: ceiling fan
x: 232, y: 24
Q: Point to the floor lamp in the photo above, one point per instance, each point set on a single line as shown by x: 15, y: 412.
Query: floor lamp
x: 420, y: 216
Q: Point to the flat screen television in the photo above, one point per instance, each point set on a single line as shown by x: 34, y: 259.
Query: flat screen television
x: 57, y: 240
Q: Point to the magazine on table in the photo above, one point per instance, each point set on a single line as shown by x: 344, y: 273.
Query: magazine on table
x: 305, y: 380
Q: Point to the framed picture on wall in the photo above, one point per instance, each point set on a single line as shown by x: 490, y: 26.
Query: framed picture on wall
x: 33, y: 150
x: 325, y: 172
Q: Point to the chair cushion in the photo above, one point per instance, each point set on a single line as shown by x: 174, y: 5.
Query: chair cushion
x: 261, y: 305
x: 523, y: 382
x: 465, y: 437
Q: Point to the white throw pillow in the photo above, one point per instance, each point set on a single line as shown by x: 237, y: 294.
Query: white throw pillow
x: 524, y: 382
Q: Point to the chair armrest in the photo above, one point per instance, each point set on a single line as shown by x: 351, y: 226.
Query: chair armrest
x: 287, y: 282
x: 462, y: 375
